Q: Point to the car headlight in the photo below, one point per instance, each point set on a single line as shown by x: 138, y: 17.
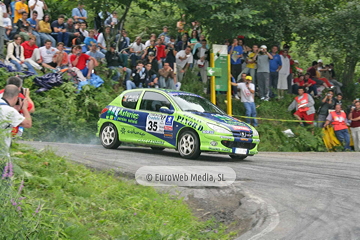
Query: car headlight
x: 218, y: 129
x: 255, y: 132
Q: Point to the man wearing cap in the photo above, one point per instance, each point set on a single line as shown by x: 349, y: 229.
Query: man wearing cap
x: 263, y: 72
x: 247, y: 91
x: 304, y: 105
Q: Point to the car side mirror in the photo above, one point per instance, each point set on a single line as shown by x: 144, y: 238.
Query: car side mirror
x: 166, y: 110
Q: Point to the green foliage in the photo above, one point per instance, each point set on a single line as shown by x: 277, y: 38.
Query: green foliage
x: 69, y: 201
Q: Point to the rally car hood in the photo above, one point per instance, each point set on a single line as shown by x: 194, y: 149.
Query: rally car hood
x: 232, y: 123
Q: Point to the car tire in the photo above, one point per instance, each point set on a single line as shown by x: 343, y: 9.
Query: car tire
x: 157, y: 149
x: 109, y: 136
x: 189, y: 145
x: 238, y: 157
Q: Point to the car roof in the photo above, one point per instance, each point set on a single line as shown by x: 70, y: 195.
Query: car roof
x: 169, y: 91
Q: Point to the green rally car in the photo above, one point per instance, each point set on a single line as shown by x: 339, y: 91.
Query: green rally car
x: 161, y: 118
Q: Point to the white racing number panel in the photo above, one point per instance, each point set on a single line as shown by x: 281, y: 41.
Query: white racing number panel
x: 155, y: 123
x: 241, y: 151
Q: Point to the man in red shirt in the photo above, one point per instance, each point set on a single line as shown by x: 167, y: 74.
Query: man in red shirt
x: 79, y: 60
x: 310, y: 84
x: 160, y: 52
x: 354, y: 117
x: 32, y: 53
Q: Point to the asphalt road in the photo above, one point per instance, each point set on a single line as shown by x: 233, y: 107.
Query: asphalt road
x: 307, y: 195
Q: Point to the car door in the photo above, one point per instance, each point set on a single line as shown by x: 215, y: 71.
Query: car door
x: 128, y: 117
x: 157, y: 125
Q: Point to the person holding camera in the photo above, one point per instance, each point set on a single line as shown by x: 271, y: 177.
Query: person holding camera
x: 139, y: 77
x: 263, y: 58
x: 39, y: 6
x: 10, y: 117
x: 171, y: 52
x: 354, y: 117
x: 327, y: 103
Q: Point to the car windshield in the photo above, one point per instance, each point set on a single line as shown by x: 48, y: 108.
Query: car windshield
x: 194, y: 103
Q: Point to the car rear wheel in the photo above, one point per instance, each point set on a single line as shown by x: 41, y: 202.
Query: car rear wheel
x: 189, y: 145
x: 238, y: 157
x: 157, y: 149
x: 109, y: 136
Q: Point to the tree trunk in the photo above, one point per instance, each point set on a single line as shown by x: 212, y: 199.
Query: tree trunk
x: 349, y: 70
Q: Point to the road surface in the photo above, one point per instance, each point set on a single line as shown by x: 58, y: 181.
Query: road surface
x: 307, y: 195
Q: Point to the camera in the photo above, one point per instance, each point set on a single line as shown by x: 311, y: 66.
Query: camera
x: 328, y: 95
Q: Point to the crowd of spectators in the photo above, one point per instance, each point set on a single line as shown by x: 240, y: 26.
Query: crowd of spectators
x: 37, y: 43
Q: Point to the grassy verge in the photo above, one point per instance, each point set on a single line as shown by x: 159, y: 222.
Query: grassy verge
x: 50, y: 198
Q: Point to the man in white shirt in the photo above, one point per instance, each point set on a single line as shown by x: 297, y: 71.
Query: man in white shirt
x: 7, y: 24
x: 10, y: 117
x: 183, y: 60
x: 39, y: 6
x: 247, y: 91
x: 47, y: 53
x: 137, y: 50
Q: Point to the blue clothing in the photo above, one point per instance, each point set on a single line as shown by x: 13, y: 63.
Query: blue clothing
x: 343, y: 136
x: 197, y: 45
x: 250, y: 112
x: 12, y: 5
x: 32, y: 23
x: 238, y: 50
x: 89, y: 41
x: 97, y: 55
x: 275, y: 62
x: 76, y: 12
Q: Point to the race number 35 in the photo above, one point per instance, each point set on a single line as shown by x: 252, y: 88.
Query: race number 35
x: 152, y: 126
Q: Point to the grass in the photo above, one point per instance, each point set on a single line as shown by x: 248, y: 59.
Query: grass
x: 63, y: 200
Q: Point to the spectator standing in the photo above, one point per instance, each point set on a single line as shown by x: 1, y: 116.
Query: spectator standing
x: 167, y: 78
x: 339, y: 98
x: 137, y: 50
x: 20, y: 7
x: 284, y: 72
x: 160, y: 52
x: 59, y: 30
x: 171, y: 52
x: 112, y: 20
x: 354, y: 117
x: 247, y: 92
x: 44, y: 30
x: 183, y: 60
x: 79, y: 13
x: 32, y: 53
x: 328, y: 103
x: 39, y: 6
x: 152, y: 37
x: 263, y: 72
x: 166, y: 34
x: 114, y: 62
x: 236, y: 53
x: 194, y: 39
x: 181, y: 45
x: 34, y: 26
x: 198, y: 44
x: 251, y: 65
x: 10, y: 116
x: 339, y: 121
x: 202, y: 57
x: 150, y: 49
x: 83, y: 62
x: 304, y: 105
x: 15, y: 54
x: 275, y: 66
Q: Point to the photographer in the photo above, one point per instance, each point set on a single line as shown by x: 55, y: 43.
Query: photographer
x: 327, y: 103
x: 10, y: 117
x: 171, y: 52
x: 263, y: 72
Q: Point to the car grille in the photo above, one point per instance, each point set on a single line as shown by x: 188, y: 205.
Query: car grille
x: 231, y: 144
x: 242, y: 134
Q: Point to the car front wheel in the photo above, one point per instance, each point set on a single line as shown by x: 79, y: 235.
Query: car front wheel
x: 189, y: 145
x: 109, y: 136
